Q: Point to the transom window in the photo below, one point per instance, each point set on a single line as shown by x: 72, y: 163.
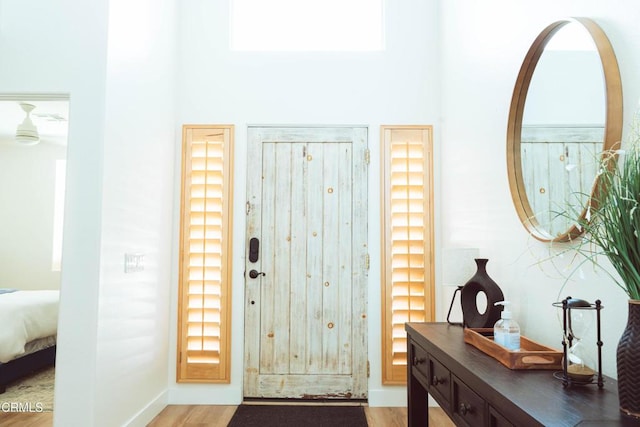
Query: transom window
x: 307, y: 25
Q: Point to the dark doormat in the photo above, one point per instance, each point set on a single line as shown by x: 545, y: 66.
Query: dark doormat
x: 298, y: 416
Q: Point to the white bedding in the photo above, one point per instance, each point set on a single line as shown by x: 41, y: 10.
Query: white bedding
x: 26, y: 316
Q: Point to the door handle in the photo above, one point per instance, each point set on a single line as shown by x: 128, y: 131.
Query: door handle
x: 254, y: 274
x: 465, y: 408
x: 254, y: 249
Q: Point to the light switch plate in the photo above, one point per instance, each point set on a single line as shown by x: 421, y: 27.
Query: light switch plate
x: 133, y: 262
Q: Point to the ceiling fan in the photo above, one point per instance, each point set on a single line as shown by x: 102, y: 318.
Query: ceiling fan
x: 27, y: 132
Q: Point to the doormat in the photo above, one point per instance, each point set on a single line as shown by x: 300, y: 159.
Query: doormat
x: 298, y: 415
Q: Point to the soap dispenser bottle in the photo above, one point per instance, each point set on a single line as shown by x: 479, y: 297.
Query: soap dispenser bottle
x: 506, y: 331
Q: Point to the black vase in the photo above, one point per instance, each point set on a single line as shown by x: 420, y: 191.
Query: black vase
x: 628, y: 358
x: 481, y: 282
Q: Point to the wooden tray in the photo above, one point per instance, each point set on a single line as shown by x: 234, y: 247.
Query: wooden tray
x: 531, y: 355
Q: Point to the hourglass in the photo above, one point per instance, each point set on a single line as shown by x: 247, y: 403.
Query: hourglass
x: 578, y: 364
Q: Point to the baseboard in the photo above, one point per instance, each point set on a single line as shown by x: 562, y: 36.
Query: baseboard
x: 433, y: 403
x: 392, y: 398
x: 148, y: 413
x: 388, y: 397
x: 204, y: 394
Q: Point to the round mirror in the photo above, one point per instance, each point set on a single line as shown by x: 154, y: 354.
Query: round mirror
x: 565, y: 111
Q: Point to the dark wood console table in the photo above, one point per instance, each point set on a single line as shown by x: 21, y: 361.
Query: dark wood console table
x: 476, y: 390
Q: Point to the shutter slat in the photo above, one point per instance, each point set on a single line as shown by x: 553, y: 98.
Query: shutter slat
x: 407, y: 254
x: 204, y: 279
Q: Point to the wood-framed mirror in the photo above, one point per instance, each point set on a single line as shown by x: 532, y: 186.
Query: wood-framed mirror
x: 565, y: 111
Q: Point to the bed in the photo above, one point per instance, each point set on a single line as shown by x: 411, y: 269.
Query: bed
x: 29, y: 322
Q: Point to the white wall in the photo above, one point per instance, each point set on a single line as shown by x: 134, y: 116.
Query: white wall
x: 397, y: 86
x: 484, y: 44
x: 27, y: 189
x: 121, y: 97
x: 133, y: 328
x: 47, y: 61
x: 115, y: 61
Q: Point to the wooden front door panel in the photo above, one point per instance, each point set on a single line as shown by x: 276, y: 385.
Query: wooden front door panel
x: 305, y: 321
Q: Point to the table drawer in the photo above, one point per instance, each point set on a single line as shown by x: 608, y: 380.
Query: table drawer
x: 439, y: 382
x: 496, y: 419
x: 468, y: 407
x: 419, y: 360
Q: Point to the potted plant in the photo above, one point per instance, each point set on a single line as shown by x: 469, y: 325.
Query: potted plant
x: 611, y: 226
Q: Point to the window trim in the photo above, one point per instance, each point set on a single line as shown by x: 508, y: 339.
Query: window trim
x: 220, y: 372
x: 396, y: 374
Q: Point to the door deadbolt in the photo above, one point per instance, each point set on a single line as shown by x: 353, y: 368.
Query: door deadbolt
x: 254, y: 249
x: 254, y: 274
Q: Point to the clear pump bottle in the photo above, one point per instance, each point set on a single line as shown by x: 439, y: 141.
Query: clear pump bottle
x: 506, y: 331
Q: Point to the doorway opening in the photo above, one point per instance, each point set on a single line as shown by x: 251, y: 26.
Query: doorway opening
x: 33, y: 151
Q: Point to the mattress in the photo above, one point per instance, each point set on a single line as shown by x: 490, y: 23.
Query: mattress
x: 39, y: 344
x: 26, y: 316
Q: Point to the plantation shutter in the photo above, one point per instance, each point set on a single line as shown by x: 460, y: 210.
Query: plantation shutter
x: 407, y: 229
x: 205, y: 268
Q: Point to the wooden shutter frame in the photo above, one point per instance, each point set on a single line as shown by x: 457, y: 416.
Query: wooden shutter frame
x: 396, y: 374
x: 221, y: 372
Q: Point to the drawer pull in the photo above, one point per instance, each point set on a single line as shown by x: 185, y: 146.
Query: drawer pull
x: 464, y: 408
x: 437, y: 380
x: 418, y: 360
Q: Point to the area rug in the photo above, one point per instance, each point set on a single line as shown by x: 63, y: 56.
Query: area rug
x: 36, y: 390
x: 298, y: 416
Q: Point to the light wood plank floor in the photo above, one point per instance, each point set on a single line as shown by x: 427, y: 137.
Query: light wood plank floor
x: 26, y: 419
x: 219, y: 416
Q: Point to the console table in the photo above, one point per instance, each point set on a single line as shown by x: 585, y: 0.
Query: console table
x: 476, y: 390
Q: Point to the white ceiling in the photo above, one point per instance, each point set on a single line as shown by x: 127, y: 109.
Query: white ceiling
x: 50, y: 117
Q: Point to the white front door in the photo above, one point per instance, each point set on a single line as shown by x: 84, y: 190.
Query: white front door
x: 306, y: 263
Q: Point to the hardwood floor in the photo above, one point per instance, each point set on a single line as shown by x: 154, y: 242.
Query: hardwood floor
x: 219, y: 416
x: 193, y: 415
x: 26, y: 419
x: 386, y: 417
